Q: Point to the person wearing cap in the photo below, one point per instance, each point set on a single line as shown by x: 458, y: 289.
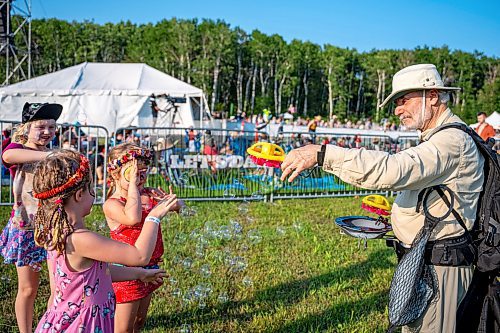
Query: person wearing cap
x: 17, y: 243
x: 447, y: 157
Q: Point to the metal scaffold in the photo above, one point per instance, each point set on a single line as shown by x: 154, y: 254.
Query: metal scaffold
x: 15, y: 40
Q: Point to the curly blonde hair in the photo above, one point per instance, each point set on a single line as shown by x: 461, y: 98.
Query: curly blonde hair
x: 20, y: 133
x: 52, y: 225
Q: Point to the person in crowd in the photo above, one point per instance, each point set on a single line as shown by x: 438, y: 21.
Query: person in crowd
x: 6, y: 138
x: 311, y: 126
x: 83, y: 299
x: 281, y: 125
x: 357, y: 142
x: 210, y: 149
x: 484, y: 129
x: 126, y: 210
x: 447, y: 157
x: 69, y: 139
x: 191, y: 138
x: 17, y: 242
x: 154, y: 108
x: 98, y: 160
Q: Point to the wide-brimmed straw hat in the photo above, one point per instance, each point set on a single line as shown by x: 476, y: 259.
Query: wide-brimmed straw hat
x: 414, y: 78
x: 165, y: 143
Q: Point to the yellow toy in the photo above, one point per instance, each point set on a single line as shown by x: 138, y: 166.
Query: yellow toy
x: 376, y: 204
x: 266, y: 154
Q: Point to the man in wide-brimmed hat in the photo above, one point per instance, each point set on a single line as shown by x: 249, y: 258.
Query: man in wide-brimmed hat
x: 447, y: 157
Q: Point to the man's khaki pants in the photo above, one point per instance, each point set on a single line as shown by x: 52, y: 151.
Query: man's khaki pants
x: 440, y: 316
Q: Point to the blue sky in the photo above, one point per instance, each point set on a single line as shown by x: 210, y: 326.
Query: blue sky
x: 364, y: 25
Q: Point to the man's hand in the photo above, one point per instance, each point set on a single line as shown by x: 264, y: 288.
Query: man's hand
x: 299, y: 160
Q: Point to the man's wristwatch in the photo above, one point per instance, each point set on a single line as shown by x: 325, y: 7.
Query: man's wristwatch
x: 321, y: 155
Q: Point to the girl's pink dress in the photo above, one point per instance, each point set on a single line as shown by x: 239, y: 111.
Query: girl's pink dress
x: 83, y: 301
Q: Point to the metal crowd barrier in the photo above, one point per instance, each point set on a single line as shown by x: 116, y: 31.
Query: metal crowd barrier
x: 91, y: 141
x: 201, y: 164
x: 6, y: 197
x: 211, y: 164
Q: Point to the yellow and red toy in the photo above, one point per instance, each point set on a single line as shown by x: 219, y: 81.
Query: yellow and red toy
x: 376, y: 204
x: 266, y: 154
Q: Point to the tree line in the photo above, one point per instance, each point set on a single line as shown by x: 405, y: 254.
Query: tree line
x: 250, y: 71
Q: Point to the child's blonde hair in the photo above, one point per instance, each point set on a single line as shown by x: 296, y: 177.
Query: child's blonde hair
x: 117, y: 153
x: 20, y: 133
x: 57, y: 171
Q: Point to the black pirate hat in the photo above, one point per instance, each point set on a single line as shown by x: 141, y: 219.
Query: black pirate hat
x: 39, y: 111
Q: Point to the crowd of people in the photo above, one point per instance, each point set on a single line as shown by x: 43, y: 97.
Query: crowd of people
x: 260, y: 119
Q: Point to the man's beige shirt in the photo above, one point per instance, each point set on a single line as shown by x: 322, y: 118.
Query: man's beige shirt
x: 448, y: 157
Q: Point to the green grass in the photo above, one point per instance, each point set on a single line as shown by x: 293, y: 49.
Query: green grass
x: 306, y: 276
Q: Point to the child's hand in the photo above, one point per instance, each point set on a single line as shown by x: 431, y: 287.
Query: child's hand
x: 158, y: 194
x: 180, y: 203
x: 130, y: 173
x: 154, y: 276
x: 164, y: 206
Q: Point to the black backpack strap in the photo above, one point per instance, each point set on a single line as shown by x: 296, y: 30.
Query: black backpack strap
x: 423, y: 196
x: 440, y: 189
x: 453, y: 211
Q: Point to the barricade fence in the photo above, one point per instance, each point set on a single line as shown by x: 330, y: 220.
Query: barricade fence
x: 201, y: 164
x: 90, y: 141
x: 211, y: 164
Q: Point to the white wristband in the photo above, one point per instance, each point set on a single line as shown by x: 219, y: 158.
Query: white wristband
x: 153, y: 219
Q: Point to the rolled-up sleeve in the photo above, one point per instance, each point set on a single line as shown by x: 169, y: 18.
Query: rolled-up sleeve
x: 414, y: 168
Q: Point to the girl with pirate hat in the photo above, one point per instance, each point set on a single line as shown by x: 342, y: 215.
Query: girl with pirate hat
x: 17, y: 245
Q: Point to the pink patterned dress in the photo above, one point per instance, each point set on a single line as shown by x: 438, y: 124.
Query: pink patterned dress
x: 83, y: 301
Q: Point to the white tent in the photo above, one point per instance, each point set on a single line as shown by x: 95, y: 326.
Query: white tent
x: 493, y: 120
x: 107, y: 94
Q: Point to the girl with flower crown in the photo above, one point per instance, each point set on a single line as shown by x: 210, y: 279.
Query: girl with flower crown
x: 83, y: 295
x: 128, y: 203
x: 17, y: 244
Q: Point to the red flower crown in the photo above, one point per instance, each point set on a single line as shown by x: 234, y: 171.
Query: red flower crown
x: 83, y: 169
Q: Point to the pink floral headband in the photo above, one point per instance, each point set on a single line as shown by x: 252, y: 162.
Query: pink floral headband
x: 143, y: 154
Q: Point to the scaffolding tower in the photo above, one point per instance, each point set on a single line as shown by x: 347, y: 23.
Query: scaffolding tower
x: 15, y: 39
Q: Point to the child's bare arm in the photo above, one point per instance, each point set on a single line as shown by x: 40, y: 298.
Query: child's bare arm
x: 115, y: 210
x: 129, y: 213
x: 91, y: 245
x: 19, y: 156
x: 133, y: 206
x: 121, y: 273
